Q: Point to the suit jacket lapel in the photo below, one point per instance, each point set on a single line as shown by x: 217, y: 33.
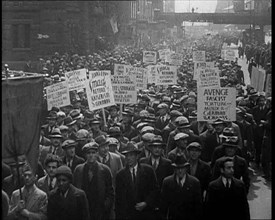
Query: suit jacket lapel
x: 34, y: 197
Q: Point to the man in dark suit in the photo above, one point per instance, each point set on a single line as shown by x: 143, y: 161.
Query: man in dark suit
x: 51, y: 119
x: 70, y: 158
x: 161, y: 165
x: 259, y: 113
x: 240, y: 165
x: 66, y: 201
x: 163, y: 118
x: 136, y: 188
x: 198, y: 168
x: 181, y: 193
x: 48, y: 182
x: 226, y: 196
x: 96, y: 180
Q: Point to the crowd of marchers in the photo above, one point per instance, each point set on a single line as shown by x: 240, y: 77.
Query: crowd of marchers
x: 150, y: 160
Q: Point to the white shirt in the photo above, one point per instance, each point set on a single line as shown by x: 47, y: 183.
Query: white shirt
x: 102, y: 159
x: 182, y: 181
x: 132, y: 168
x: 157, y: 161
x: 224, y: 181
x: 51, y: 182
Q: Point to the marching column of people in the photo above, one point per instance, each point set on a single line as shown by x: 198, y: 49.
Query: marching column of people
x: 149, y: 160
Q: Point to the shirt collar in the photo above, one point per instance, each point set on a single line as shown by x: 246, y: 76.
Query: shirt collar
x: 182, y: 181
x: 224, y: 181
x: 155, y: 159
x: 101, y: 158
x: 53, y: 180
x: 135, y: 167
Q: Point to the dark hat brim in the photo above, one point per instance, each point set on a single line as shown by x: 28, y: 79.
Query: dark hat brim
x: 69, y: 146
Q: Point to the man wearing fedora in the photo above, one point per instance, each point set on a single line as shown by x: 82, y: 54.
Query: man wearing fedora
x: 70, y: 158
x: 51, y: 119
x: 95, y: 128
x: 127, y: 129
x: 143, y: 145
x: 230, y: 146
x: 115, y: 132
x: 96, y: 180
x: 181, y: 193
x: 54, y: 148
x: 48, y: 182
x: 226, y: 196
x: 163, y: 118
x: 136, y: 188
x: 66, y: 201
x: 83, y: 136
x: 113, y: 147
x: 198, y: 168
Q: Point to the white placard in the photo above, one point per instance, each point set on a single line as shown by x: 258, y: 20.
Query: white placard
x: 163, y: 54
x: 228, y: 54
x: 175, y: 59
x: 152, y: 73
x: 209, y: 78
x: 166, y: 75
x: 214, y: 103
x: 58, y: 95
x: 141, y: 77
x: 76, y: 79
x: 124, y: 85
x: 198, y: 56
x: 149, y: 57
x: 198, y: 66
x: 99, y: 90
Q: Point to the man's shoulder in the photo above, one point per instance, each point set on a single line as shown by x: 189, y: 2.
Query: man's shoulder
x: 40, y: 192
x: 144, y: 160
x: 114, y: 156
x: 41, y: 180
x: 165, y: 161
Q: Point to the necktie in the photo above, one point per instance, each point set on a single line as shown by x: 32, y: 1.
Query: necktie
x: 90, y: 174
x: 51, y: 185
x: 134, y: 175
x: 155, y: 166
x: 104, y: 160
x: 227, y: 183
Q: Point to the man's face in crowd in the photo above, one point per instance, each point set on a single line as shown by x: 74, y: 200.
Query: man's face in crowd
x: 126, y: 119
x: 219, y: 128
x: 59, y: 119
x: 112, y: 147
x: 95, y: 127
x: 63, y: 183
x: 228, y: 170
x: 70, y: 151
x: 65, y: 134
x: 156, y: 151
x: 181, y: 172
x: 230, y: 151
x: 162, y: 111
x: 194, y: 153
x: 261, y: 101
x: 56, y: 141
x: 29, y: 178
x: 103, y: 150
x: 181, y: 143
x: 51, y: 168
x: 131, y: 159
x: 113, y: 112
x: 91, y: 156
x: 52, y: 122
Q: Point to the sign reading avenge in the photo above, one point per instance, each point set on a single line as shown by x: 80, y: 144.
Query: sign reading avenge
x: 99, y: 90
x: 58, y: 95
x: 214, y: 103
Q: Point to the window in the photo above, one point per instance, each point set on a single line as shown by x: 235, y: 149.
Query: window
x: 21, y: 35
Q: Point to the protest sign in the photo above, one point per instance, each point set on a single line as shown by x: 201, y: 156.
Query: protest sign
x: 198, y: 56
x: 257, y: 79
x: 99, y: 90
x: 175, y: 59
x: 124, y: 85
x: 198, y: 66
x: 228, y: 54
x: 149, y: 57
x: 152, y: 72
x: 141, y: 77
x: 268, y: 86
x: 209, y: 78
x: 166, y: 75
x: 163, y: 54
x: 76, y: 79
x: 214, y: 103
x: 58, y: 95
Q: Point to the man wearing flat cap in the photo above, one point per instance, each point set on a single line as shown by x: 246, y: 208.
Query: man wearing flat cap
x: 51, y: 119
x: 143, y: 145
x: 70, y: 158
x: 163, y: 118
x: 95, y: 128
x: 127, y: 129
x: 67, y: 201
x: 181, y: 193
x: 136, y: 188
x: 96, y: 180
x: 180, y: 149
x: 198, y: 168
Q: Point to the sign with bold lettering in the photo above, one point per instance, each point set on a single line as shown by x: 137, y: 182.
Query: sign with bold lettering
x: 99, y: 90
x: 228, y: 54
x: 76, y: 79
x: 152, y: 73
x: 58, y: 95
x: 209, y: 78
x: 166, y: 75
x: 124, y: 85
x: 198, y: 66
x: 198, y: 56
x: 149, y: 57
x: 214, y: 103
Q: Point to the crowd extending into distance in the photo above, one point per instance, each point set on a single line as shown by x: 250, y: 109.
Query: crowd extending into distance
x: 152, y: 159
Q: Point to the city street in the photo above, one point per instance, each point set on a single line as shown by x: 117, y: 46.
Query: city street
x: 259, y: 196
